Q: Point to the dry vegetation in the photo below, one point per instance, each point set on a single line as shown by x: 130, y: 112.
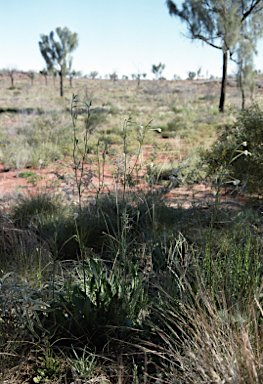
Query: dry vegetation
x: 113, y: 283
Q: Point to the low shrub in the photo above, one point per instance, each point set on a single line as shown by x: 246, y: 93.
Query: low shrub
x: 243, y: 137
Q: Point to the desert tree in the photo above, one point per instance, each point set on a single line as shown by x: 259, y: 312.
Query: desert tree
x: 176, y: 77
x: 10, y: 72
x: 157, y: 70
x: 31, y: 75
x: 198, y: 73
x: 93, y: 74
x: 54, y: 73
x: 245, y: 73
x: 69, y: 71
x: 218, y: 23
x: 245, y: 65
x: 72, y: 72
x: 125, y: 77
x: 113, y: 76
x: 137, y: 78
x: 191, y: 75
x: 44, y: 73
x: 56, y: 53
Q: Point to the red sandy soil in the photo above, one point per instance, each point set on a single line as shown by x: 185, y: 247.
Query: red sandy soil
x: 59, y: 178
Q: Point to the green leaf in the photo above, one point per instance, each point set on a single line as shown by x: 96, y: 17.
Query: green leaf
x: 37, y: 379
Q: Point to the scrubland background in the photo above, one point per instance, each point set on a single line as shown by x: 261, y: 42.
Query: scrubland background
x: 104, y: 275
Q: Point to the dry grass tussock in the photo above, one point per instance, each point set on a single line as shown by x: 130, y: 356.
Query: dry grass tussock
x: 217, y: 344
x: 18, y: 244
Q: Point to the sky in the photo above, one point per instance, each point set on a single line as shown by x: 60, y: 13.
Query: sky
x: 126, y: 36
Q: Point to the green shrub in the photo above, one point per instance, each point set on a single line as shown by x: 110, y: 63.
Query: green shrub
x: 32, y: 177
x: 246, y: 137
x: 235, y: 268
x: 99, y: 305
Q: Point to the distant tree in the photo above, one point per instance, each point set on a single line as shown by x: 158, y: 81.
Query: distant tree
x: 54, y: 74
x: 177, y: 77
x: 69, y: 71
x: 56, y: 53
x: 93, y: 75
x: 245, y: 73
x: 144, y: 75
x: 124, y: 77
x: 191, y: 75
x: 157, y: 70
x: 11, y: 73
x: 218, y: 23
x: 198, y: 72
x: 138, y: 78
x: 31, y: 75
x: 76, y: 74
x: 113, y: 76
x: 72, y: 72
x: 44, y: 73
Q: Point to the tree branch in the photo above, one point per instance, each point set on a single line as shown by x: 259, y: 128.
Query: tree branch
x: 250, y: 10
x: 200, y: 37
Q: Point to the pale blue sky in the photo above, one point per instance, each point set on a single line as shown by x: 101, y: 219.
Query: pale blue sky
x: 126, y: 36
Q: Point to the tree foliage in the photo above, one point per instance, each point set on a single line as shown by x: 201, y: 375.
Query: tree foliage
x: 246, y: 48
x: 113, y: 76
x: 191, y: 75
x: 157, y: 70
x: 241, y: 141
x: 245, y: 74
x: 72, y: 72
x: 218, y: 23
x: 31, y: 75
x: 93, y: 75
x: 44, y: 72
x: 56, y: 53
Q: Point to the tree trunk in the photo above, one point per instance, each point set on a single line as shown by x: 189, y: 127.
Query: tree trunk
x: 12, y: 80
x: 61, y: 82
x: 242, y: 85
x: 223, y: 84
x: 243, y: 98
x: 46, y: 80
